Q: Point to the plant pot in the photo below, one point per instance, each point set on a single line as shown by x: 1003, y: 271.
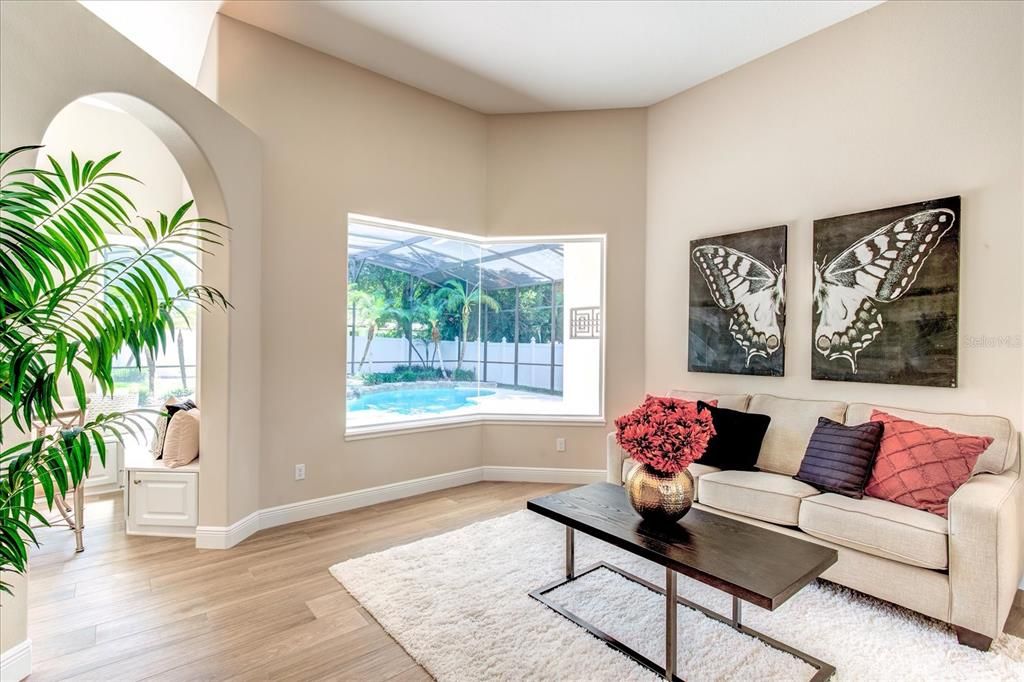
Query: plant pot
x: 657, y: 496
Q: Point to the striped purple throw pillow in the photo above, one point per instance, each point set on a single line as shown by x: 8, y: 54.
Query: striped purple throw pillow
x: 839, y: 458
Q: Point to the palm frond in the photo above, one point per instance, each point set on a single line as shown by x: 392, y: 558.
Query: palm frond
x: 70, y: 301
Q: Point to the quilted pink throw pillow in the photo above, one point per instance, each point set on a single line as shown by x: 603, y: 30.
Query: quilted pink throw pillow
x: 921, y: 466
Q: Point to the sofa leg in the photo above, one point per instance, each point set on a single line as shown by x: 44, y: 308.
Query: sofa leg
x: 972, y: 639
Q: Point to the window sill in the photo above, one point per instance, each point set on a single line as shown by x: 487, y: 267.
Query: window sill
x: 406, y: 428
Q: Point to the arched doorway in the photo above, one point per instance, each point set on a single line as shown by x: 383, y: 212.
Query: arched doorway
x: 158, y: 151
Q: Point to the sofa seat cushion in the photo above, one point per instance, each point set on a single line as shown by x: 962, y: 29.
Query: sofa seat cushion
x: 885, y: 529
x: 757, y: 494
x: 696, y: 470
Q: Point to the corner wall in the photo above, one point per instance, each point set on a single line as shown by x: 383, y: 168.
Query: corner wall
x: 342, y: 139
x: 338, y: 139
x: 905, y: 102
x: 579, y: 172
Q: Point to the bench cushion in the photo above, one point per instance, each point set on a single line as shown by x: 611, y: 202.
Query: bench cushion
x: 878, y: 527
x: 757, y: 494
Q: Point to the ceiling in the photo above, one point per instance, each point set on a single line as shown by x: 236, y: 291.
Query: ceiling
x: 173, y: 32
x: 503, y: 56
x: 511, y: 57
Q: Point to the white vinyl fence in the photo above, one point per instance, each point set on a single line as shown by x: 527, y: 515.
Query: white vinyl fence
x: 534, y: 364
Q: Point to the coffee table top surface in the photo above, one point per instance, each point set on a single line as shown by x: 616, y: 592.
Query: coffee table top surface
x: 760, y: 566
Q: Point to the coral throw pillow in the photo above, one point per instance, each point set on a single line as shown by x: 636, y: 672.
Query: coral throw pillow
x: 921, y: 466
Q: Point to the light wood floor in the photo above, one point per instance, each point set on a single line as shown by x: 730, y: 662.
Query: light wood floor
x: 133, y: 608
x: 157, y: 608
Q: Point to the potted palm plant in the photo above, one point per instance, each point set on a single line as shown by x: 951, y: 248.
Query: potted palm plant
x: 69, y: 302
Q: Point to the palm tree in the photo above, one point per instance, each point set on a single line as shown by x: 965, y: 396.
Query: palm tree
x: 460, y: 297
x: 406, y: 316
x: 181, y: 360
x: 376, y: 310
x: 430, y: 311
x: 151, y: 374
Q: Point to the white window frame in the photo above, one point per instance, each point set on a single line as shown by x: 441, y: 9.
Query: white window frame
x: 442, y: 422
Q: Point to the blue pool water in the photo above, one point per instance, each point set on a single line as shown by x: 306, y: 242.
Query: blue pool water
x: 417, y: 400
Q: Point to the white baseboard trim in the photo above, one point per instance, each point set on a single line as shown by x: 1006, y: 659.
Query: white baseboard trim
x: 225, y: 537
x: 542, y: 474
x: 16, y: 662
x: 332, y: 504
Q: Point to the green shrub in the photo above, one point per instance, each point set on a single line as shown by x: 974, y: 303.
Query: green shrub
x: 127, y: 375
x: 412, y: 373
x: 178, y: 393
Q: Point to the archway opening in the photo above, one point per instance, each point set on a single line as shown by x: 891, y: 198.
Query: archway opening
x: 92, y: 128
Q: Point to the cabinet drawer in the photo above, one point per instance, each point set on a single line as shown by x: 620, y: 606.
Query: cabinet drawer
x: 162, y: 501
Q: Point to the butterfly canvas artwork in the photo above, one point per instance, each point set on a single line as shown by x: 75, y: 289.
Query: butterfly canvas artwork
x: 738, y: 303
x: 886, y: 295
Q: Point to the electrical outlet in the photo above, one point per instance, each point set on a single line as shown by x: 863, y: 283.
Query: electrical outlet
x: 559, y: 445
x: 300, y: 472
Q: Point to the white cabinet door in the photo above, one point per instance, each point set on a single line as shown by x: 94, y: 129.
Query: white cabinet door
x: 105, y: 477
x: 162, y: 502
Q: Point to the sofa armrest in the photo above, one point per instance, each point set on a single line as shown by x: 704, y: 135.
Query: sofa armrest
x: 615, y: 458
x: 985, y: 550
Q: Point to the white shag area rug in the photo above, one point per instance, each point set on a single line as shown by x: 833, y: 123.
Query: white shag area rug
x: 458, y: 604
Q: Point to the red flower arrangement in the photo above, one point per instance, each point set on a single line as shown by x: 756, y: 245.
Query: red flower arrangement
x: 665, y: 433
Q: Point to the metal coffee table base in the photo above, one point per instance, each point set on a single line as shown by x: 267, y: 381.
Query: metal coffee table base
x: 823, y: 670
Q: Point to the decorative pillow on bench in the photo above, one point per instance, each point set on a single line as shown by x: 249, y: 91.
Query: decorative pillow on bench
x: 737, y: 440
x: 839, y: 458
x: 921, y: 466
x: 171, y: 407
x: 181, y: 445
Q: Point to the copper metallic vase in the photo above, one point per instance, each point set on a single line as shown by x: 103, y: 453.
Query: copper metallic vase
x: 657, y: 496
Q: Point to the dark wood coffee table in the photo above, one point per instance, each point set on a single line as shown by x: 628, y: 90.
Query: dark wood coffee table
x: 752, y: 564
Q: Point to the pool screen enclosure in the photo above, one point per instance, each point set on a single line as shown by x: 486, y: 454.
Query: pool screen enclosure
x: 428, y: 304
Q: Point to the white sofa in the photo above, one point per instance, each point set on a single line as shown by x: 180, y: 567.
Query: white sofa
x: 964, y: 570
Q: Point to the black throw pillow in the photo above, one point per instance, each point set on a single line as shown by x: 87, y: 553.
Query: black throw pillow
x: 737, y: 440
x: 839, y: 458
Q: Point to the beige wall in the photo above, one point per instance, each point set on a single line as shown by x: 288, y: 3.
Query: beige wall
x: 339, y: 139
x: 575, y: 173
x: 906, y: 102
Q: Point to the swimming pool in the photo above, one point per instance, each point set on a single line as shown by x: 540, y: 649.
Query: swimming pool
x: 417, y: 400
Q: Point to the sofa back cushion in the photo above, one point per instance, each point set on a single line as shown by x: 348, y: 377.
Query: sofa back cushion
x: 1000, y: 455
x: 793, y: 422
x: 730, y: 401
